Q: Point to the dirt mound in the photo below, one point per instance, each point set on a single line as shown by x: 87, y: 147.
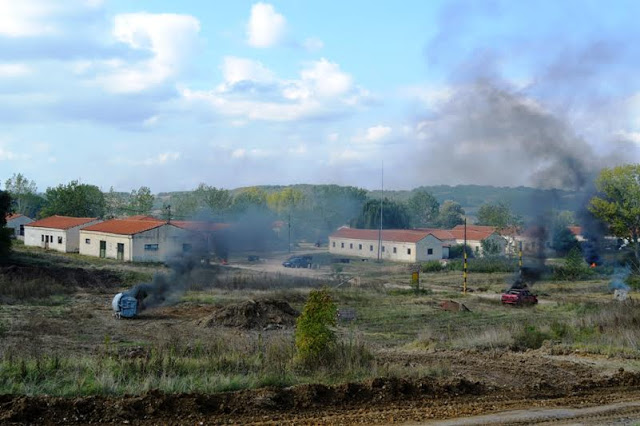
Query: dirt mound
x: 254, y: 314
x: 72, y: 277
x: 451, y: 306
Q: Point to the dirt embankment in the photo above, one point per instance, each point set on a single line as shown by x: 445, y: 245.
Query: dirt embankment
x: 255, y: 315
x: 375, y: 401
x: 65, y: 276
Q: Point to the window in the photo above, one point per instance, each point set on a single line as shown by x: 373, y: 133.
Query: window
x: 151, y: 247
x: 395, y: 250
x: 350, y: 245
x: 42, y: 237
x: 87, y: 240
x: 383, y: 249
x: 370, y: 248
x: 359, y: 246
x: 341, y: 245
x: 59, y: 240
x: 408, y: 251
x: 51, y: 238
x: 333, y: 244
x: 186, y: 248
x: 22, y: 230
x: 429, y: 251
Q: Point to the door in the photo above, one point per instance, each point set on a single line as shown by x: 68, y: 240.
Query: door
x: 120, y: 255
x: 103, y: 249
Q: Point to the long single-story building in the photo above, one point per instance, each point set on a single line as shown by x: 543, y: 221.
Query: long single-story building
x: 135, y: 240
x: 60, y: 233
x: 400, y: 245
x: 476, y: 234
x: 16, y: 223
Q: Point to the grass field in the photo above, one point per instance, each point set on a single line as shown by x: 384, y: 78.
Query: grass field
x: 59, y: 337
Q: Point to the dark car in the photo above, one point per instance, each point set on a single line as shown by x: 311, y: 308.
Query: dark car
x: 297, y: 262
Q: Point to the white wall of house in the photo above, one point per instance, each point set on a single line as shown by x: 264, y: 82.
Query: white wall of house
x: 15, y: 225
x: 64, y: 240
x: 160, y: 244
x: 90, y: 244
x: 429, y: 248
x: 476, y: 245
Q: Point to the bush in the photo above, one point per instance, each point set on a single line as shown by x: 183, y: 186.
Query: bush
x: 574, y: 268
x: 456, y: 252
x: 529, y: 338
x: 432, y: 266
x: 314, y: 327
x: 485, y: 265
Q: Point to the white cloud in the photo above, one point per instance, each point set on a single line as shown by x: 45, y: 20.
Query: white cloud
x: 26, y: 18
x: 13, y: 70
x: 323, y: 88
x: 157, y: 160
x: 266, y: 27
x: 169, y: 38
x: 239, y: 153
x: 373, y: 134
x: 298, y: 150
x: 629, y: 136
x: 333, y: 136
x: 236, y: 69
x: 312, y: 44
x: 347, y: 155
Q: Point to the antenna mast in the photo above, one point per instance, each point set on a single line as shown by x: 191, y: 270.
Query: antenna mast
x: 381, y: 198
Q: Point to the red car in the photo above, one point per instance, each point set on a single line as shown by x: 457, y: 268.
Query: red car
x: 519, y: 296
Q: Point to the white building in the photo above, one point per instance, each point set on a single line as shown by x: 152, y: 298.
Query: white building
x: 17, y: 222
x: 61, y: 233
x: 400, y: 245
x: 476, y: 234
x: 135, y: 240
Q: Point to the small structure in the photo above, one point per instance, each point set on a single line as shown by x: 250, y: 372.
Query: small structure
x: 60, y: 233
x: 135, y: 240
x: 400, y: 245
x: 16, y: 222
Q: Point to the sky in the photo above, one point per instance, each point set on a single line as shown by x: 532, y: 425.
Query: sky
x: 171, y: 94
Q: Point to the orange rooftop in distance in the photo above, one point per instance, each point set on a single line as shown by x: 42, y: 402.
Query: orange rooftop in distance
x: 61, y: 222
x: 124, y: 226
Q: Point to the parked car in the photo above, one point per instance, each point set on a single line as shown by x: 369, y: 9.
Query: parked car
x: 519, y: 296
x: 297, y: 262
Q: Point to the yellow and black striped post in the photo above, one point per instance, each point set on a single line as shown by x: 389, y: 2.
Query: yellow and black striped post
x: 520, y: 258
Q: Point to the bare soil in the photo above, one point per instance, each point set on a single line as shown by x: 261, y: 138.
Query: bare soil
x: 251, y: 314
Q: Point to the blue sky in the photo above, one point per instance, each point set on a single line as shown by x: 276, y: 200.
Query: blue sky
x: 169, y: 94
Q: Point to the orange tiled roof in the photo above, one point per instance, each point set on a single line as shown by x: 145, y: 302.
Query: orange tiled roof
x: 575, y: 230
x: 398, y: 235
x: 13, y: 216
x: 143, y: 217
x: 124, y: 226
x: 200, y: 226
x: 441, y: 234
x: 474, y: 232
x: 61, y: 222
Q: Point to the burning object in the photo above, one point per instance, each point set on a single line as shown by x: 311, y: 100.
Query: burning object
x: 519, y: 297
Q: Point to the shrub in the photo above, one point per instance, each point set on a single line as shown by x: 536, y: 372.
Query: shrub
x: 314, y: 327
x: 455, y: 252
x: 486, y: 265
x: 432, y: 266
x: 529, y: 338
x: 574, y: 268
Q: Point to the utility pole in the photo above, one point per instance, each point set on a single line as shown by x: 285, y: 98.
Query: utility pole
x: 464, y: 273
x: 381, y: 198
x: 289, y: 226
x: 168, y: 208
x: 520, y: 257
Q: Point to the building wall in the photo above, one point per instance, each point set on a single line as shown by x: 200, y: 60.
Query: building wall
x: 90, y: 244
x: 64, y: 240
x: 404, y: 251
x: 34, y: 237
x: 169, y: 239
x: 15, y: 225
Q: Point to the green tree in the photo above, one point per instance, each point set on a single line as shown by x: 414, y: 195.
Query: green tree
x: 249, y: 199
x: 286, y: 201
x: 451, y: 214
x: 114, y: 203
x: 141, y: 201
x: 217, y: 200
x: 74, y: 199
x: 394, y: 215
x: 618, y: 202
x: 423, y: 209
x: 490, y: 247
x: 498, y: 215
x: 5, y: 240
x: 24, y: 197
x: 563, y: 240
x: 314, y: 334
